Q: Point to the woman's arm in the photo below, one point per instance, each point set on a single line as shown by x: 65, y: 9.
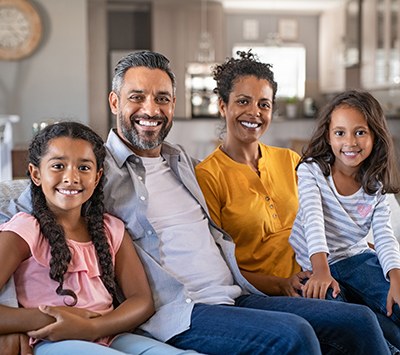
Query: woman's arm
x: 136, y: 309
x: 277, y: 286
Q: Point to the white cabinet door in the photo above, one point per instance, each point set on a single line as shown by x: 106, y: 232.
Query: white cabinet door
x: 331, y: 50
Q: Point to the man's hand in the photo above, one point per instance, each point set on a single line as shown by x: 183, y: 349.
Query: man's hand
x: 15, y: 344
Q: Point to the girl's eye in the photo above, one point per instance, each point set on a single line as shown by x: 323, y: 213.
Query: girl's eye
x: 242, y: 101
x: 84, y: 168
x: 57, y: 166
x: 339, y: 133
x: 361, y: 133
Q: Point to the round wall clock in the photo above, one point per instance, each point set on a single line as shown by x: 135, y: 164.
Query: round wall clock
x: 20, y: 29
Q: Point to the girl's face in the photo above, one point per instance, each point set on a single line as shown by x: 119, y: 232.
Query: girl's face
x: 249, y: 110
x: 350, y: 138
x: 67, y: 174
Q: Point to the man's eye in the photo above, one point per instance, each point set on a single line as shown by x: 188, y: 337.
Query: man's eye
x: 163, y: 100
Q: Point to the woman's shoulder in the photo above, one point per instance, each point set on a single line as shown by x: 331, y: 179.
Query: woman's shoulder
x: 212, y: 161
x: 279, y: 152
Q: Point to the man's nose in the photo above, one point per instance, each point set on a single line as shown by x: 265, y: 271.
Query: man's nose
x: 151, y: 108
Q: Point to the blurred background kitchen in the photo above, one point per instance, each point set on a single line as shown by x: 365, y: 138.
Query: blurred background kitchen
x: 317, y: 48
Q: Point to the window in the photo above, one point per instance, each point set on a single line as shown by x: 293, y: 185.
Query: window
x: 288, y: 65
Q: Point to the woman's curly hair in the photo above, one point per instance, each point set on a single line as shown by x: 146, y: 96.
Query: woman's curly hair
x: 92, y: 210
x: 380, y: 168
x: 227, y: 73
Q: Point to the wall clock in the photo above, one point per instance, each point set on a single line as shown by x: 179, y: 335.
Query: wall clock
x: 20, y: 29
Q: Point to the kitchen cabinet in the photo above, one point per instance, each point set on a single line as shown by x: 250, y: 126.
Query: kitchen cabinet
x: 380, y: 44
x: 332, y: 71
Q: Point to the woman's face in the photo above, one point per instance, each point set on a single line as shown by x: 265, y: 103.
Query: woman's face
x: 249, y: 110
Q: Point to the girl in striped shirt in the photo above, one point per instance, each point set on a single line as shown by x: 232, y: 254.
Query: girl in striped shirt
x: 344, y: 176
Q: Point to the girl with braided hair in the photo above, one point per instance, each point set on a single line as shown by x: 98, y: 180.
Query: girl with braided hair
x: 70, y: 256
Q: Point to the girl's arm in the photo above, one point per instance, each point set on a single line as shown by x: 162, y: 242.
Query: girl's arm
x: 394, y: 291
x: 14, y: 250
x: 136, y: 309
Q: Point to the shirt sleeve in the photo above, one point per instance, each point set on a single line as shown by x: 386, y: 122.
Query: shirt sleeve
x: 310, y: 203
x: 386, y: 244
x: 210, y: 187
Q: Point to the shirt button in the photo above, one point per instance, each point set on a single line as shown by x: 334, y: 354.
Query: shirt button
x: 137, y: 160
x: 267, y: 198
x: 140, y: 178
x: 188, y: 300
x: 149, y: 232
x: 142, y: 198
x: 271, y: 206
x: 274, y: 215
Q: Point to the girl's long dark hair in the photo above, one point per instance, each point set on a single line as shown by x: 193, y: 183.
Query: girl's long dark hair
x: 92, y: 210
x: 380, y: 168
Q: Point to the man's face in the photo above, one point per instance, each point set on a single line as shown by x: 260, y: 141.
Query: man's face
x: 144, y: 109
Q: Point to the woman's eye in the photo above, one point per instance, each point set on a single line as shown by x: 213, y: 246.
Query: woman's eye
x: 242, y: 102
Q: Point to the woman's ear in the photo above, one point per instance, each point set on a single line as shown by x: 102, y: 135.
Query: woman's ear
x: 34, y: 173
x: 221, y: 107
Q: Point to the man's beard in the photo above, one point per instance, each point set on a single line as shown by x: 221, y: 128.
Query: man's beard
x: 145, y: 140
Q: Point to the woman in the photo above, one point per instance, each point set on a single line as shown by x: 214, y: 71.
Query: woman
x: 251, y: 188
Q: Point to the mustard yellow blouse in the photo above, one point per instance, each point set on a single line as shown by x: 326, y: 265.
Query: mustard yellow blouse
x: 257, y: 211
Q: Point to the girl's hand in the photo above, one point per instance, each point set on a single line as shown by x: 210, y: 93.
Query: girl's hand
x: 293, y: 285
x: 70, y: 323
x: 318, y: 284
x: 15, y: 344
x: 394, y: 291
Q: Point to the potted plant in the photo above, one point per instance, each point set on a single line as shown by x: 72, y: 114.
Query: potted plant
x: 291, y: 107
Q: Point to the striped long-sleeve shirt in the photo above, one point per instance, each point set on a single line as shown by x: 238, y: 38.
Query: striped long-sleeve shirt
x: 338, y: 225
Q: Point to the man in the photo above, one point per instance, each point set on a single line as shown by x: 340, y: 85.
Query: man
x: 202, y: 301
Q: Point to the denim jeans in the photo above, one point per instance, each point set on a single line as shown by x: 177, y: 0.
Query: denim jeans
x: 361, y: 280
x: 124, y: 344
x: 282, y: 325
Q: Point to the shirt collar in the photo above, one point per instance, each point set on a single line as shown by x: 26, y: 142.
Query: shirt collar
x: 120, y: 151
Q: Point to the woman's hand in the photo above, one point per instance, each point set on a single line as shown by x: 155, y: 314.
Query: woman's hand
x: 70, y: 323
x: 292, y: 286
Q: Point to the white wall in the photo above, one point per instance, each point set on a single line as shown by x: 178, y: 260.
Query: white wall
x: 53, y: 82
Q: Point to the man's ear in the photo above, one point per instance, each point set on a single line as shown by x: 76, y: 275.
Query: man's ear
x: 34, y: 173
x: 113, y: 102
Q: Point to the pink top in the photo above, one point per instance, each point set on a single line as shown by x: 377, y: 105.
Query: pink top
x: 33, y: 284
